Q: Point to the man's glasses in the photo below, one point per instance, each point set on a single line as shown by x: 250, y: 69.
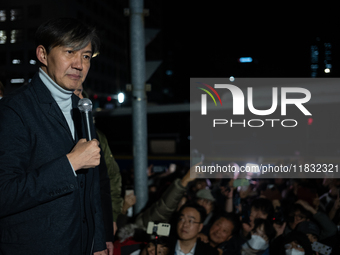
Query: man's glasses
x: 190, y: 222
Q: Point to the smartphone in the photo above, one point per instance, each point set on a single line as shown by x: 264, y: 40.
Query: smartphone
x: 196, y: 157
x: 172, y: 168
x: 130, y: 210
x: 241, y: 182
x: 129, y: 191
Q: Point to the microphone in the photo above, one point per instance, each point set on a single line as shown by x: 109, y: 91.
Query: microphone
x: 85, y: 107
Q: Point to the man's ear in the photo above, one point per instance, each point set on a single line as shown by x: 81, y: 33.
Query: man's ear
x: 41, y: 54
x: 200, y: 228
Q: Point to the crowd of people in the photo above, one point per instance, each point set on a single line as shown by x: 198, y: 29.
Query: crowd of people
x: 216, y: 216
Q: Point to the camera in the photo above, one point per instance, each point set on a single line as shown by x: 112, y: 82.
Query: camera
x: 279, y: 217
x: 160, y: 229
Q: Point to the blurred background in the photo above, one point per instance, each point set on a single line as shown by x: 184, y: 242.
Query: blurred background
x: 183, y: 39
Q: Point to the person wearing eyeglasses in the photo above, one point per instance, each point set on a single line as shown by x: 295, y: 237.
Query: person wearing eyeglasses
x: 190, y: 222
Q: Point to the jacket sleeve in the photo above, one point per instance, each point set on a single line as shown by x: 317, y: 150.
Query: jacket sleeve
x: 328, y: 227
x: 162, y: 210
x: 114, y: 175
x: 22, y: 187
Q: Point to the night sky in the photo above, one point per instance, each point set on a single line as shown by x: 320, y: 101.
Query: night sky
x: 208, y: 39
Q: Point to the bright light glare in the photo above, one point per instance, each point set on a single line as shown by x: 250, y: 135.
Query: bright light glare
x: 245, y: 60
x: 327, y: 70
x: 121, y: 97
x: 20, y: 80
x: 252, y: 169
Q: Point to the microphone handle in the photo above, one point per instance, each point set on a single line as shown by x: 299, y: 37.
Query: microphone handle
x: 87, y: 117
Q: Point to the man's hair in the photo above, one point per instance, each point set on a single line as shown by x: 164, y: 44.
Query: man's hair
x: 264, y: 205
x: 267, y: 226
x: 297, y: 207
x: 201, y: 210
x: 233, y: 218
x: 67, y: 32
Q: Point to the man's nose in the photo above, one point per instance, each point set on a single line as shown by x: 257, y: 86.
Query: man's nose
x: 77, y: 62
x: 186, y: 223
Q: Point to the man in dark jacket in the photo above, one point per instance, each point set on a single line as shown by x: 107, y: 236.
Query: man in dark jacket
x: 49, y: 183
x: 190, y: 223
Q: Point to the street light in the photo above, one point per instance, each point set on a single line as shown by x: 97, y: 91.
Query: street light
x: 121, y: 97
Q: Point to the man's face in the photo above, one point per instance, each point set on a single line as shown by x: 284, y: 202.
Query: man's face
x: 189, y: 224
x: 207, y: 204
x: 221, y: 231
x: 161, y: 250
x: 312, y: 238
x: 66, y: 67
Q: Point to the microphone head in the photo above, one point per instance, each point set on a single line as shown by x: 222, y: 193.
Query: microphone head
x: 85, y: 105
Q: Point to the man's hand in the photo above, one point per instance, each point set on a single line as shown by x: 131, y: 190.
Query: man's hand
x: 104, y: 252
x: 114, y: 228
x: 246, y: 229
x: 279, y: 228
x: 203, y: 237
x: 228, y: 193
x: 306, y: 206
x: 336, y: 205
x: 85, y: 154
x: 190, y: 175
x: 109, y: 247
x: 129, y: 200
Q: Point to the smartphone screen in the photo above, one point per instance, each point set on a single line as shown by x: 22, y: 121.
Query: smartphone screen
x: 129, y: 191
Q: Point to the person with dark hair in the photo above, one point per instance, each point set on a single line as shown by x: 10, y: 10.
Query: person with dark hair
x: 261, y: 235
x: 206, y: 199
x: 161, y: 247
x: 107, y: 164
x: 189, y: 224
x: 223, y: 234
x: 297, y: 214
x: 49, y: 181
x: 295, y: 243
x: 302, y: 211
x: 260, y: 208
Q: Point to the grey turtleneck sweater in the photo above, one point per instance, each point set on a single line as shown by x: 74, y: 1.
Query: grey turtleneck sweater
x: 61, y: 96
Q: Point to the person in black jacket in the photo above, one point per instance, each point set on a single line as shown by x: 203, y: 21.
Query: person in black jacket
x: 190, y: 223
x: 49, y: 180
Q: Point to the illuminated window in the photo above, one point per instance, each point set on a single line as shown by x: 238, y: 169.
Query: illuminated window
x: 2, y: 15
x: 16, y: 36
x: 3, y: 36
x: 16, y: 14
